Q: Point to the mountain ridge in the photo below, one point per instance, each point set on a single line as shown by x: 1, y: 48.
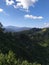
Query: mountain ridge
x: 15, y: 29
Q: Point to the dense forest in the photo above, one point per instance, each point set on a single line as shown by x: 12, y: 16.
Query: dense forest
x: 29, y: 47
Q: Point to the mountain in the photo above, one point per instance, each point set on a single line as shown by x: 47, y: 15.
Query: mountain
x: 15, y: 29
x: 29, y: 45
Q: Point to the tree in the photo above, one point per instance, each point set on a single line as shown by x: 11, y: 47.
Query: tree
x: 10, y: 58
x: 2, y: 59
x: 1, y: 27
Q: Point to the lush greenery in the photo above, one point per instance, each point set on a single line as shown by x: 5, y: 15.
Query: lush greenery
x: 24, y: 48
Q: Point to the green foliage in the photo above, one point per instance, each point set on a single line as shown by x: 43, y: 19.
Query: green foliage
x: 8, y: 59
x: 1, y: 28
x: 30, y: 47
x: 2, y: 59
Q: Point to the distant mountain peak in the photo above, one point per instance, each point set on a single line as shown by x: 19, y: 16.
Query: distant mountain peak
x: 15, y: 29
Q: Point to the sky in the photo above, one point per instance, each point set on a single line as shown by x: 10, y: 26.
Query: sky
x: 24, y: 13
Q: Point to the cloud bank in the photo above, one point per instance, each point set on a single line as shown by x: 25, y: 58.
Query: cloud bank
x: 33, y: 17
x: 24, y: 4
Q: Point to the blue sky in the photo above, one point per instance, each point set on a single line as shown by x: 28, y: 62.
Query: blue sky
x: 24, y: 13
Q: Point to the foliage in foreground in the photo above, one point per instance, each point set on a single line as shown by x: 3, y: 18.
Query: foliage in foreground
x: 10, y: 59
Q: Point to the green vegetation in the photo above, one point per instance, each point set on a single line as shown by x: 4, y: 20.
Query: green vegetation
x: 24, y: 48
x: 9, y: 59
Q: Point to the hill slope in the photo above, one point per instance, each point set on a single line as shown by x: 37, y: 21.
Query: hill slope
x: 31, y: 45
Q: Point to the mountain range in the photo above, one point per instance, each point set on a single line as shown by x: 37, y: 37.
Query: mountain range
x: 15, y: 29
x: 31, y: 44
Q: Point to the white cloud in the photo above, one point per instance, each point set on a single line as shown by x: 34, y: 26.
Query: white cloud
x: 33, y: 17
x: 25, y: 4
x: 46, y: 24
x: 9, y: 2
x: 1, y: 10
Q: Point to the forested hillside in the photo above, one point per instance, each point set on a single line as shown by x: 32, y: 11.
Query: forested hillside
x: 30, y: 47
